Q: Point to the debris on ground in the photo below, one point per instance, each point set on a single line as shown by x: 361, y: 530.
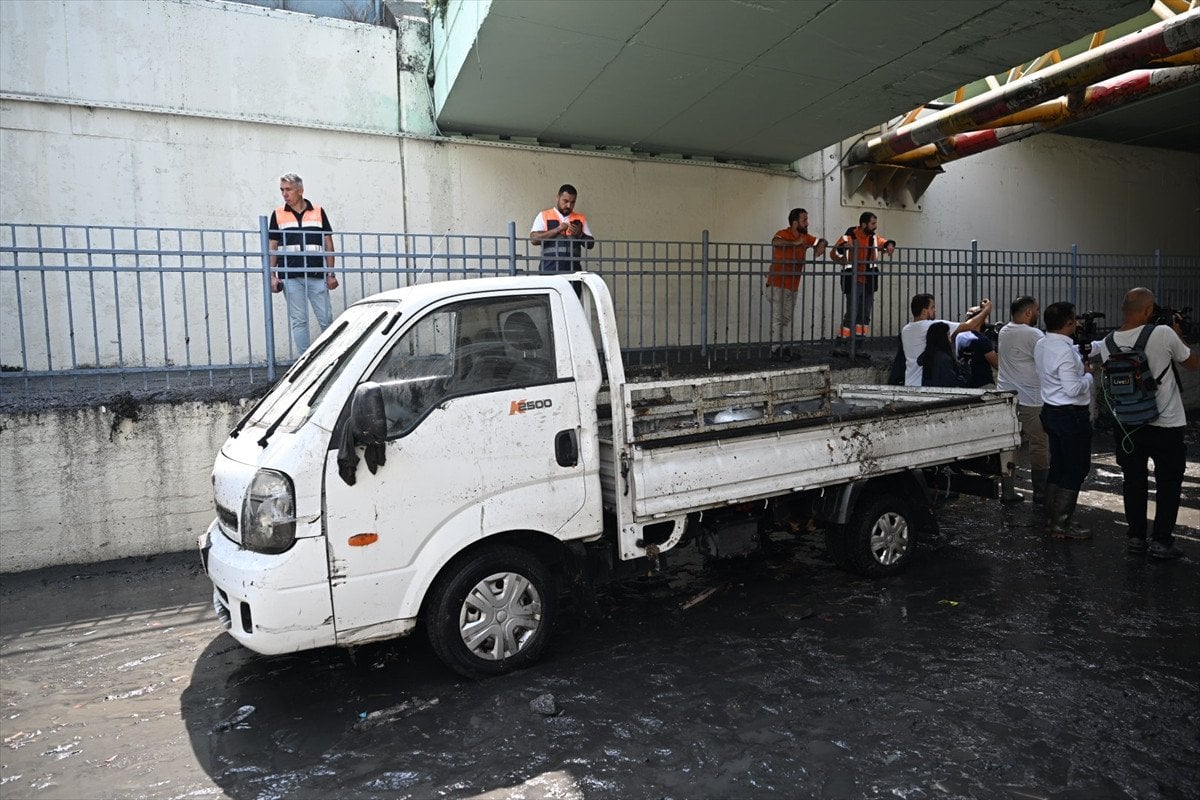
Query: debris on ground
x: 388, y: 715
x: 545, y: 704
x: 700, y: 598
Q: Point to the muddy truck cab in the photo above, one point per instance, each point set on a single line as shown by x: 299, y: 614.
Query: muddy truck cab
x: 463, y: 454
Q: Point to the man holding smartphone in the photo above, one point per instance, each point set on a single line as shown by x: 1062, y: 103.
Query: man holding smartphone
x: 562, y: 233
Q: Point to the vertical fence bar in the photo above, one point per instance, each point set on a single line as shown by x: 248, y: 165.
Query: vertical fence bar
x: 45, y: 302
x: 975, y: 295
x: 112, y: 246
x: 704, y: 294
x: 268, y: 311
x: 1075, y: 274
x: 12, y: 232
x: 1158, y: 273
x: 70, y: 306
x: 512, y: 247
x: 853, y: 298
x: 87, y: 242
x: 162, y: 302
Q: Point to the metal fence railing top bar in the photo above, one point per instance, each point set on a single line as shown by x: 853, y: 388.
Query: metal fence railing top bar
x: 152, y: 306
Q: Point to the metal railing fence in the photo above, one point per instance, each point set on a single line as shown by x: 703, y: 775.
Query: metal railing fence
x: 80, y: 303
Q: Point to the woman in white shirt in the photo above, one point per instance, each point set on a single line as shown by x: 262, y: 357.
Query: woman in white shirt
x: 1066, y: 388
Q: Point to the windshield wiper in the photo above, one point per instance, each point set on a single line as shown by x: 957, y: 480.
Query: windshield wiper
x: 290, y: 377
x: 327, y: 373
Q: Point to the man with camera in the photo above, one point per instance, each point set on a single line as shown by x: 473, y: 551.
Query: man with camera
x: 1018, y: 373
x: 912, y: 336
x: 562, y: 233
x: 1065, y: 378
x: 1160, y: 439
x: 977, y: 353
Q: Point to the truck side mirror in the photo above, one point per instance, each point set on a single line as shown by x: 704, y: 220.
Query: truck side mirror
x: 368, y: 418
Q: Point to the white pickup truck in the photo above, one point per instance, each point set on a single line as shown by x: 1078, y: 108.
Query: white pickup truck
x: 462, y: 454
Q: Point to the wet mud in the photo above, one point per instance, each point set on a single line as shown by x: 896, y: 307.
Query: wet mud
x: 1001, y: 665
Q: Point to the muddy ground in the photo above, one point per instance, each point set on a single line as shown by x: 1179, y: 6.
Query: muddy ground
x: 1002, y: 665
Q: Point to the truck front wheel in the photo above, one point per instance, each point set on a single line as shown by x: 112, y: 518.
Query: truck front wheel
x: 878, y: 539
x: 493, y: 613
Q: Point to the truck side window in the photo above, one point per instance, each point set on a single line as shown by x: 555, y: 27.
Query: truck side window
x: 467, y: 348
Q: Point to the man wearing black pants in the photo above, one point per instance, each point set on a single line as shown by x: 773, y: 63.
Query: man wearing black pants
x: 1160, y: 440
x: 1066, y: 388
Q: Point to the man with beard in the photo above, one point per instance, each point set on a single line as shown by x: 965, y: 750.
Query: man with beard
x: 859, y: 250
x: 1161, y: 439
x: 562, y: 233
x: 787, y: 264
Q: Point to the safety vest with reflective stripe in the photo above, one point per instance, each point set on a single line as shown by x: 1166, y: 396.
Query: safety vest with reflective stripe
x: 867, y: 246
x: 306, y: 233
x: 561, y: 254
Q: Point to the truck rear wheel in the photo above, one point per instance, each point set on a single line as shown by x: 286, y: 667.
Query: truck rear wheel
x: 878, y: 540
x: 493, y: 613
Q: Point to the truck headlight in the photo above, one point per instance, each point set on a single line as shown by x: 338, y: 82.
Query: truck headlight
x: 269, y: 513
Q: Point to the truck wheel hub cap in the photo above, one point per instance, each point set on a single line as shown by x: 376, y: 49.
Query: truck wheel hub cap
x: 500, y: 615
x: 889, y: 538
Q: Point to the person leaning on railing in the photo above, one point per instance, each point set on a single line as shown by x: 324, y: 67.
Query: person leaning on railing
x: 858, y: 250
x: 787, y: 264
x: 300, y: 235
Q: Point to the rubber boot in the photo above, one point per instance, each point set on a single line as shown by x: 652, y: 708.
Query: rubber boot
x: 1008, y: 493
x: 1047, y: 505
x: 1060, y: 520
x: 1038, y: 477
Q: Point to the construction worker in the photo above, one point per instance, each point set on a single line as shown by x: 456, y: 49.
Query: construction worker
x: 858, y: 249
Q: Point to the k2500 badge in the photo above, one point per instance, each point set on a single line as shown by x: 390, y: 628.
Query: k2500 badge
x: 521, y: 406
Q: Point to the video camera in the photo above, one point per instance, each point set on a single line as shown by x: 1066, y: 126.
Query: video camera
x: 1086, y: 331
x: 989, y: 329
x: 1164, y: 315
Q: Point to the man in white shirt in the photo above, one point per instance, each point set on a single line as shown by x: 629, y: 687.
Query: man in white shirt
x: 912, y: 335
x: 1018, y: 373
x: 1161, y: 439
x: 1066, y: 389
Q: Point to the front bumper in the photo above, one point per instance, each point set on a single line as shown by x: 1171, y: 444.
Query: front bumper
x: 272, y: 604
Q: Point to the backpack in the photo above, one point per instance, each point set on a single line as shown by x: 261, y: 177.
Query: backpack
x: 1129, y: 385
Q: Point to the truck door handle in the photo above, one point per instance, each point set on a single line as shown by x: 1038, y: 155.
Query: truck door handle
x: 566, y: 448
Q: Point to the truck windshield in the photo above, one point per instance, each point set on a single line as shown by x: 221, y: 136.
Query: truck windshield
x: 299, y: 391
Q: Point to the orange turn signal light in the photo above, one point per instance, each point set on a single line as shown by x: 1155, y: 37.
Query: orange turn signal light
x: 363, y: 539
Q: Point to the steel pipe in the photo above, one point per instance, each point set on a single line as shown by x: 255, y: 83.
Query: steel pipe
x: 1130, y: 52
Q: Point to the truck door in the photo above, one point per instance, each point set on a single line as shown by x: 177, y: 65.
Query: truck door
x: 483, y: 414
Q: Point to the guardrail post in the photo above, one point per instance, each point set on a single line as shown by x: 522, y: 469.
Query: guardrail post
x: 268, y: 311
x: 704, y: 293
x: 512, y: 248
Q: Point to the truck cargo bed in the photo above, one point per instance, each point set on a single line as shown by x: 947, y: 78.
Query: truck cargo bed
x: 701, y: 443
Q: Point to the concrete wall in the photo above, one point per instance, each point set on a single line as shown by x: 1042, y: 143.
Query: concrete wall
x: 76, y: 490
x: 181, y: 113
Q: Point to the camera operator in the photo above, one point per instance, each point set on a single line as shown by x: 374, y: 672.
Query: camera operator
x: 977, y: 352
x: 1066, y: 389
x: 1160, y: 439
x: 1018, y: 373
x: 912, y: 336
